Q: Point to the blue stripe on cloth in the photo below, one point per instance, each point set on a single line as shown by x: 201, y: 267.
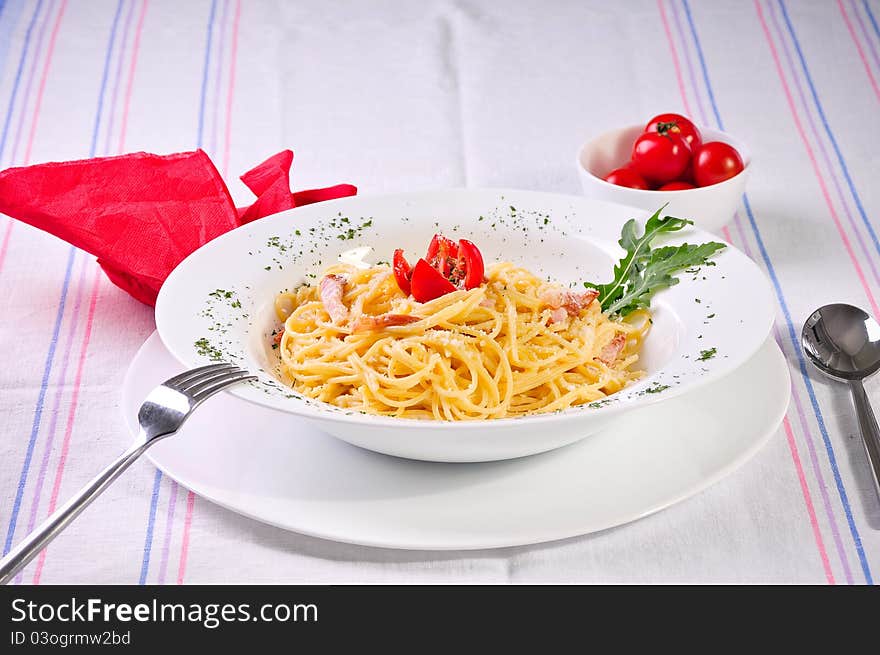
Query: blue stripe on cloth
x: 871, y: 18
x: 861, y: 209
x: 12, y: 96
x: 38, y: 412
x: 151, y: 525
x: 828, y: 131
x: 10, y: 10
x: 98, y: 114
x: 789, y: 325
x: 41, y: 399
x: 205, y: 74
x: 151, y: 520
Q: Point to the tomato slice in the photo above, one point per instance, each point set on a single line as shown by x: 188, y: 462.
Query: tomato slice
x: 471, y: 259
x: 440, y: 242
x: 427, y: 283
x: 442, y: 254
x: 402, y: 271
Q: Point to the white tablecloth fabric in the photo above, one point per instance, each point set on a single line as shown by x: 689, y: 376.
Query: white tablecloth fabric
x: 396, y: 95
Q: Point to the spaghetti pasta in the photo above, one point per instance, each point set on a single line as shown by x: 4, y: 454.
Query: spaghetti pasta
x: 512, y: 346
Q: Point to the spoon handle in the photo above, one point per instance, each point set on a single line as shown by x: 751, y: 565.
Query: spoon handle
x: 868, y: 427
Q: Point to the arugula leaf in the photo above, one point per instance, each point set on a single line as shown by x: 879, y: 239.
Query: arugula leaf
x: 643, y: 271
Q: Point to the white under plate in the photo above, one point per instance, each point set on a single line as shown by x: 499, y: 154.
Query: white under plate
x: 277, y: 468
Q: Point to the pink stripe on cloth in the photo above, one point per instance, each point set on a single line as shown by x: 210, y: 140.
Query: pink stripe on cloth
x: 169, y: 529
x: 741, y: 232
x: 231, y: 91
x: 7, y: 235
x: 184, y: 546
x: 71, y: 416
x: 815, y: 164
x: 675, y: 63
x: 808, y: 501
x: 861, y: 51
x: 131, y: 70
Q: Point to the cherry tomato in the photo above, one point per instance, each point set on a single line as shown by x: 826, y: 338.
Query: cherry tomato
x: 678, y: 185
x: 442, y: 254
x: 427, y: 283
x: 470, y: 268
x: 451, y: 266
x: 715, y: 162
x: 402, y: 271
x: 628, y: 177
x: 661, y: 158
x: 676, y: 123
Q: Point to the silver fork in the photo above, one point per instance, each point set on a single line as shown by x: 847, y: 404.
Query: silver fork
x: 163, y: 413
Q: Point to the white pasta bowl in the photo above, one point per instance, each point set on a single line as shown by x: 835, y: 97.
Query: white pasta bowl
x: 219, y: 304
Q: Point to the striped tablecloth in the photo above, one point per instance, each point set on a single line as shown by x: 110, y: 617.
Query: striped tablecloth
x: 397, y: 95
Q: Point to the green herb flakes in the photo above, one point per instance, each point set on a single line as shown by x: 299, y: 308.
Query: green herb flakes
x: 707, y: 354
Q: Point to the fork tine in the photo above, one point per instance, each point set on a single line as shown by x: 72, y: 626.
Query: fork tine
x: 206, y: 389
x: 196, y: 372
x: 207, y: 376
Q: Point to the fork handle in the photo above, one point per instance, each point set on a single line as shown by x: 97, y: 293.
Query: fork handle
x: 24, y: 552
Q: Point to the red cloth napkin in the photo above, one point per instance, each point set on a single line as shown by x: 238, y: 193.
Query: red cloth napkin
x: 142, y: 214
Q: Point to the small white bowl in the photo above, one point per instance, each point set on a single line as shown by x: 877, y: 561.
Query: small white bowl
x: 710, y: 208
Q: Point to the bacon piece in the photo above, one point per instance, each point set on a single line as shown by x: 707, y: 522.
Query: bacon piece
x: 612, y: 349
x: 278, y: 336
x: 330, y: 290
x: 558, y: 315
x: 366, y: 323
x: 573, y: 302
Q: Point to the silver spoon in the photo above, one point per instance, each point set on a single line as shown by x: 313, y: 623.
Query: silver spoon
x: 844, y: 342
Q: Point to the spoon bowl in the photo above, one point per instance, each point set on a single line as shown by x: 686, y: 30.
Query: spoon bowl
x: 843, y: 341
